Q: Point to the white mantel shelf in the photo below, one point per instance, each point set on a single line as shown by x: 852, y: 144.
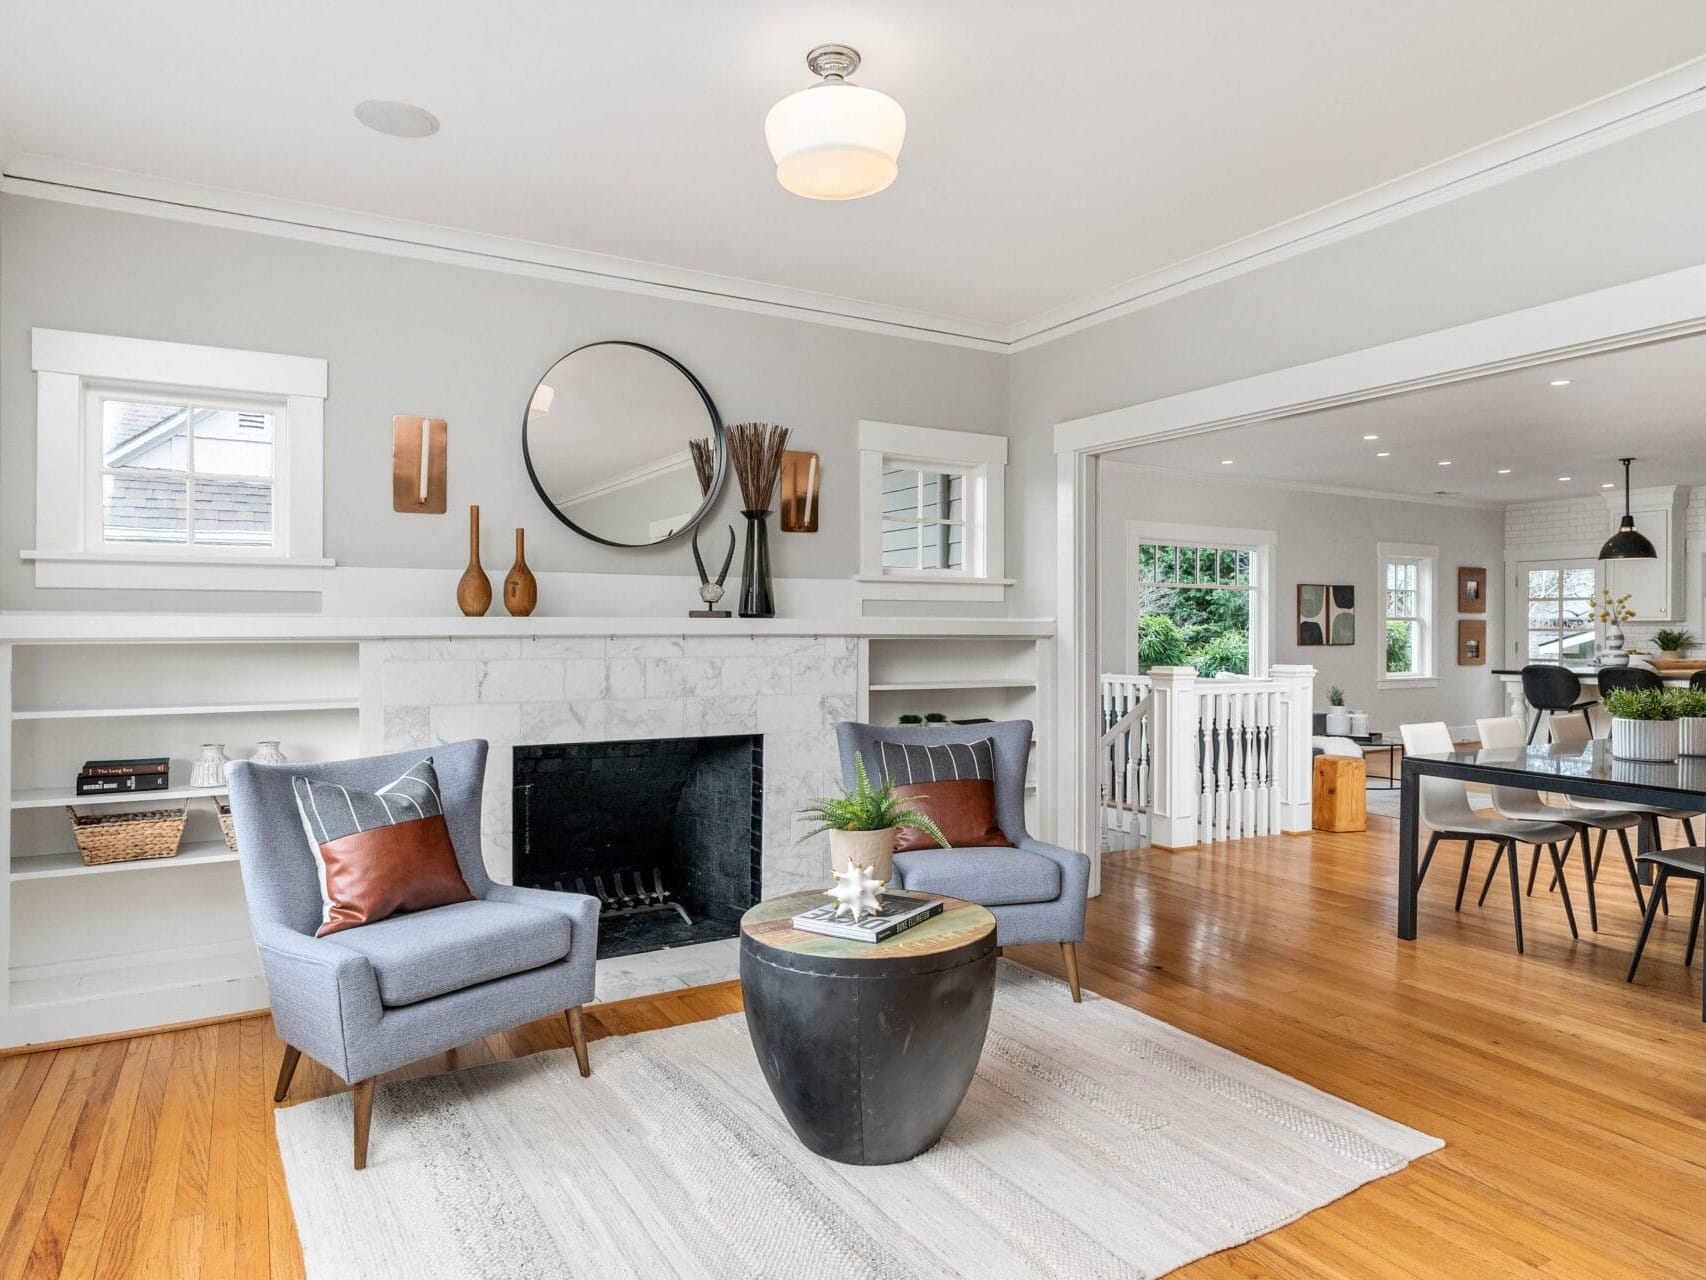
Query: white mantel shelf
x: 75, y: 628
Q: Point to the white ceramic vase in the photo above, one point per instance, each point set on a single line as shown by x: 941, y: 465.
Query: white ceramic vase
x: 1614, y: 651
x: 209, y: 768
x: 1644, y: 739
x: 1338, y: 722
x: 267, y: 752
x: 874, y: 849
x: 1359, y: 724
x: 1691, y: 736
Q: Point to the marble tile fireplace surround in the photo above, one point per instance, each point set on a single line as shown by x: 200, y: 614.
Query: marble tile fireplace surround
x: 528, y: 691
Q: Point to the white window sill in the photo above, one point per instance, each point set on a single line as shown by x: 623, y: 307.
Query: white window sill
x: 1407, y: 682
x: 932, y: 586
x: 163, y: 571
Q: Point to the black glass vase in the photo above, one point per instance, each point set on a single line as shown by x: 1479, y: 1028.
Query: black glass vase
x: 756, y: 598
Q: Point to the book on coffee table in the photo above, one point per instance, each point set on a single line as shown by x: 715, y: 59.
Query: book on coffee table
x: 897, y: 911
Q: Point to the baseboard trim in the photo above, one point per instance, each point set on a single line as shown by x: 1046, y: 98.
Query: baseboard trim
x: 50, y: 1046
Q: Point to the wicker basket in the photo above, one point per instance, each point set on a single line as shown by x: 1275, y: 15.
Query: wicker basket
x: 226, y: 824
x: 127, y: 837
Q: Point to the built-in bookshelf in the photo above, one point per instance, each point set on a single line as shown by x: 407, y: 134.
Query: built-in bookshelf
x: 160, y: 939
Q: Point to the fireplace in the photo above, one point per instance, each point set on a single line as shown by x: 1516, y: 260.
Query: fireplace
x: 666, y: 833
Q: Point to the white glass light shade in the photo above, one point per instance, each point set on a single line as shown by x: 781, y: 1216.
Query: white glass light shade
x: 836, y: 141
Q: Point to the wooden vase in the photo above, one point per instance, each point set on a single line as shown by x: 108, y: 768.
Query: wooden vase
x: 521, y: 588
x: 474, y: 591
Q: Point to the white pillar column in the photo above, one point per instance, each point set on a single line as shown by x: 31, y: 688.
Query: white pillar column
x: 1173, y: 807
x: 1296, y: 683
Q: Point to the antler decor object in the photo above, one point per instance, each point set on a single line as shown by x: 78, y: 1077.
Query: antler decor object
x: 711, y: 592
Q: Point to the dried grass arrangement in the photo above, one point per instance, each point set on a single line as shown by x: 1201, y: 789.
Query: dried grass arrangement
x: 756, y: 450
x: 704, y: 462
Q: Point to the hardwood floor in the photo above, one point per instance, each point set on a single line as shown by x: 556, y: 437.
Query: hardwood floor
x: 1573, y: 1106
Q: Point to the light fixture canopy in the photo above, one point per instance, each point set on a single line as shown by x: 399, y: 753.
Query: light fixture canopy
x: 836, y: 140
x: 1627, y: 543
x: 397, y: 119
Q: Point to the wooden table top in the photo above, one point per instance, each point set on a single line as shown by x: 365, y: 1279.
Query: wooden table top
x: 770, y: 923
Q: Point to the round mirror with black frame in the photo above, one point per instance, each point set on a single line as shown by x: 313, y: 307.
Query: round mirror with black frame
x: 609, y: 442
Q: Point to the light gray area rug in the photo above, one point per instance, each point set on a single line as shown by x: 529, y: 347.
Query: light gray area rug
x: 1094, y: 1142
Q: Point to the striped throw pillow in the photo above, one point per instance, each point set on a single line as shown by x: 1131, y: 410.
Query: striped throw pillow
x: 952, y: 784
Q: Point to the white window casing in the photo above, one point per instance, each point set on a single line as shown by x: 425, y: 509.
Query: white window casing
x: 76, y: 372
x: 982, y: 462
x: 1262, y: 545
x: 1426, y: 559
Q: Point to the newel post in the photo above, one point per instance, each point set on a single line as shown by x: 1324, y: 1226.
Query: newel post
x: 1295, y: 755
x: 1174, y: 714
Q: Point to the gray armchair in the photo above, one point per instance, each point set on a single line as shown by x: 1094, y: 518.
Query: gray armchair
x: 366, y: 1000
x: 1035, y: 891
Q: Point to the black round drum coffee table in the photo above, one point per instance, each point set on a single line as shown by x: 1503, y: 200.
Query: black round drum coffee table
x: 869, y: 1047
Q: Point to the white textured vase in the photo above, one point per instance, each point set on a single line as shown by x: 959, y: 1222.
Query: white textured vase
x: 209, y: 768
x: 1644, y: 739
x: 1338, y: 722
x: 874, y: 849
x: 267, y: 752
x: 1691, y: 736
x: 1359, y: 724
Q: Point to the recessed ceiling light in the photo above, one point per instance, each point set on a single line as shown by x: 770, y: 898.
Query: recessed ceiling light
x: 1608, y: 485
x: 1445, y: 462
x: 1226, y: 462
x: 1560, y: 382
x: 398, y: 119
x: 1371, y: 437
x: 1504, y: 471
x: 1383, y: 454
x: 1563, y: 479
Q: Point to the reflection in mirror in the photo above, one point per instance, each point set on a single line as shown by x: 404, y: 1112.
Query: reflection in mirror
x: 623, y: 444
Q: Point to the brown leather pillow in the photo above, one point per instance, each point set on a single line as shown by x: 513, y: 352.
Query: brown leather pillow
x: 962, y: 808
x: 407, y: 866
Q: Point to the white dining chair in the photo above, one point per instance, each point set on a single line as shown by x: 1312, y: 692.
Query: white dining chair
x: 1445, y: 809
x: 1504, y: 733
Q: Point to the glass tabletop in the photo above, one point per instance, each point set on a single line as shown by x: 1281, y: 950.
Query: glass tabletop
x: 1592, y: 762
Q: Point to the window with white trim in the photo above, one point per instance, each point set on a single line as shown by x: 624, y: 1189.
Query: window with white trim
x: 168, y: 465
x: 931, y: 504
x: 1407, y: 573
x: 1559, y: 599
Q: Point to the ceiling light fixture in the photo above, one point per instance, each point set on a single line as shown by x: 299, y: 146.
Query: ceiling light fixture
x: 1383, y: 454
x: 1608, y: 485
x: 1504, y: 471
x: 1626, y: 543
x: 1565, y: 479
x: 835, y: 140
x: 1445, y: 462
x: 396, y: 119
x: 1560, y: 382
x: 1226, y: 462
x: 1371, y: 437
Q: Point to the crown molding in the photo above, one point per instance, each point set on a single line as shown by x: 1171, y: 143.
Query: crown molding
x: 1305, y: 486
x: 1612, y: 118
x: 1647, y: 104
x: 68, y: 182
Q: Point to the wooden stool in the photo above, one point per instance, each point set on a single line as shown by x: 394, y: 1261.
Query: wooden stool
x: 1340, y: 794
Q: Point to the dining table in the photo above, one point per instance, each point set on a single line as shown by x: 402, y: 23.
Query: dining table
x: 1588, y: 770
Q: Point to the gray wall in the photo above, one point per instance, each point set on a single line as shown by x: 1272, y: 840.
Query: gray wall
x: 1618, y: 214
x: 1330, y: 538
x: 409, y: 336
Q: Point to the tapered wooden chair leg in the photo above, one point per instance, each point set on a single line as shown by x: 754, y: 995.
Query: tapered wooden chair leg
x: 1694, y: 923
x: 1463, y: 875
x: 286, y: 1070
x: 1069, y: 953
x: 577, y: 1034
x: 363, y: 1091
x: 1647, y: 919
x: 1427, y: 859
x: 1516, y: 893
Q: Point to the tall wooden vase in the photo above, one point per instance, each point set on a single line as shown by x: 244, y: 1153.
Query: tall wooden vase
x: 474, y: 592
x: 521, y: 588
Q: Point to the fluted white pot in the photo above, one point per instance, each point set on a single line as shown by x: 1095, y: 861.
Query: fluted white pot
x: 1338, y: 722
x: 874, y: 849
x: 1691, y: 735
x: 1644, y: 739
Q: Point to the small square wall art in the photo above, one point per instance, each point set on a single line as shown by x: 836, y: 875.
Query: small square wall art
x: 1326, y: 614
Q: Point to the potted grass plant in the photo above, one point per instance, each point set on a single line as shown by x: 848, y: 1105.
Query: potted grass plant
x: 862, y: 822
x: 1338, y: 719
x: 1672, y: 644
x: 1643, y: 723
x: 1690, y: 708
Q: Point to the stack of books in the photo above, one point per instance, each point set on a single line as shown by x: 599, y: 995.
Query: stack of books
x: 105, y: 777
x: 897, y: 912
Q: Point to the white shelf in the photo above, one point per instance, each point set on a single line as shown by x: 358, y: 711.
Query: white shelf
x: 232, y: 963
x: 209, y: 709
x: 51, y: 866
x: 937, y: 686
x: 53, y: 797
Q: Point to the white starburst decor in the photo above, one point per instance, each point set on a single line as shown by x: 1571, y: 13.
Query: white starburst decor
x: 856, y: 891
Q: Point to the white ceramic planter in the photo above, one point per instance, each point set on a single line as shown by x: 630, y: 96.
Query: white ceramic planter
x: 1338, y: 722
x: 1691, y: 735
x: 874, y: 849
x: 1644, y: 739
x: 1359, y: 724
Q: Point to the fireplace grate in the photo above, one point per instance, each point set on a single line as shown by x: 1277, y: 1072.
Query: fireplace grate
x: 631, y: 897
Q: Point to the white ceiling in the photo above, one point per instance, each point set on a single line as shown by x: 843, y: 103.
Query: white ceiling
x: 1646, y: 401
x: 1053, y: 151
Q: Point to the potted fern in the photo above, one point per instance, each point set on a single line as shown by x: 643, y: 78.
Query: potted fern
x: 862, y: 822
x: 1643, y: 724
x: 1690, y: 708
x: 1338, y: 719
x: 1672, y: 644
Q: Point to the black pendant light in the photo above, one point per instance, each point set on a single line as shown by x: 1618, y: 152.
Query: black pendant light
x: 1626, y: 543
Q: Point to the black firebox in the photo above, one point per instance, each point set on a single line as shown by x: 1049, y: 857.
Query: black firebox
x: 667, y: 833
